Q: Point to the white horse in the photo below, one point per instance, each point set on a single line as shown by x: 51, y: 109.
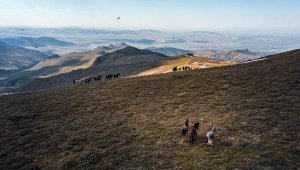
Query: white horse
x: 83, y: 81
x: 211, y: 135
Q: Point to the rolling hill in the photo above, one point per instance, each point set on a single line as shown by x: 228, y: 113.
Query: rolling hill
x: 128, y: 56
x: 134, y: 123
x: 185, y: 61
x: 35, y: 41
x: 75, y: 61
x: 233, y: 55
x: 16, y: 58
x: 129, y: 62
x: 57, y: 64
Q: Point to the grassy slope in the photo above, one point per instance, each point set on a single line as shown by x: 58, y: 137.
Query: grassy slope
x: 67, y: 63
x: 50, y: 67
x: 144, y: 68
x: 180, y: 61
x: 135, y: 123
x: 56, y: 65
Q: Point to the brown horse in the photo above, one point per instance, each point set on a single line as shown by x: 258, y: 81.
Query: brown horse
x: 193, y: 133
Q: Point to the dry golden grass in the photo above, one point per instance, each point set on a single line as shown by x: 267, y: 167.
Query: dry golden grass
x: 134, y: 123
x: 180, y: 61
x: 84, y: 60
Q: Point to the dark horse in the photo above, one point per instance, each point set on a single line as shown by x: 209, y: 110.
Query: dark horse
x: 116, y: 76
x: 98, y: 78
x: 193, y: 133
x: 108, y: 77
x: 185, y: 129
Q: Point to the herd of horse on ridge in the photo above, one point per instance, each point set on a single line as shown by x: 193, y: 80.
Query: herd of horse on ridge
x: 183, y: 68
x: 87, y: 80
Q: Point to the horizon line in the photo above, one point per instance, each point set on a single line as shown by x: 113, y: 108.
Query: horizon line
x: 153, y: 29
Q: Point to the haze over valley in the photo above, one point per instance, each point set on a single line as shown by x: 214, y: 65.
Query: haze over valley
x: 62, y: 50
x: 150, y: 84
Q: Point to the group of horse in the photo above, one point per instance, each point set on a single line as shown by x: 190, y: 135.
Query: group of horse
x: 183, y: 68
x: 112, y: 76
x: 87, y: 80
x: 192, y: 133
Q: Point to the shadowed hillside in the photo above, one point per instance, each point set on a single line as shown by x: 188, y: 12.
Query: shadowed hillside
x: 35, y: 41
x: 127, y: 61
x: 74, y: 61
x: 17, y: 58
x: 58, y: 64
x: 134, y: 123
x: 128, y: 56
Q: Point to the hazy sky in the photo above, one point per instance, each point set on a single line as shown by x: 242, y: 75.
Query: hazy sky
x: 153, y: 14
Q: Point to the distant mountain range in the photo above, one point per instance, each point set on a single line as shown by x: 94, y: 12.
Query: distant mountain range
x: 35, y: 41
x: 235, y: 55
x: 169, y: 51
x: 134, y: 41
x: 17, y: 58
x: 88, y: 38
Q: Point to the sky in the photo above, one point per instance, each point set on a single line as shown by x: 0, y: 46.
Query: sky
x: 153, y: 14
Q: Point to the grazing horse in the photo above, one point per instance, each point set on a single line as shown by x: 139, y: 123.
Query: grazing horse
x: 108, y: 77
x: 116, y: 76
x: 88, y: 79
x: 211, y: 135
x: 175, y: 69
x: 82, y: 81
x: 98, y: 78
x: 193, y: 133
x: 184, y: 130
